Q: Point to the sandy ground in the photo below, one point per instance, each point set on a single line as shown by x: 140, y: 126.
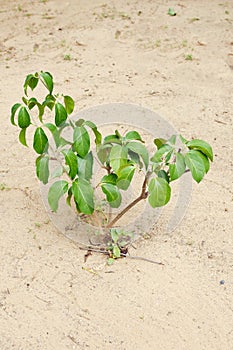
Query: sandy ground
x: 119, y: 51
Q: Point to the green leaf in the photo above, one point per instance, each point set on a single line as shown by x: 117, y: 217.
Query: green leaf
x: 109, y: 179
x: 69, y: 196
x: 141, y: 150
x: 32, y: 102
x: 178, y: 168
x: 112, y: 139
x: 85, y: 166
x: 98, y: 136
x: 114, y: 235
x: 163, y: 175
x: 198, y: 164
x: 42, y: 168
x: 47, y: 80
x: 52, y: 128
x: 49, y: 102
x: 159, y: 192
x: 118, y: 157
x: 83, y: 195
x: 40, y: 141
x: 135, y: 158
x: 171, y: 12
x: 163, y: 151
x: 13, y: 111
x: 112, y: 193
x: 72, y: 162
x: 81, y: 140
x: 60, y: 114
x: 116, y: 252
x: 22, y: 137
x: 31, y: 81
x: 56, y: 191
x: 183, y: 140
x: 104, y: 152
x: 80, y: 122
x: 159, y: 142
x: 69, y: 104
x: 133, y: 135
x: 23, y: 118
x: 172, y: 140
x: 202, y: 146
x: 125, y: 176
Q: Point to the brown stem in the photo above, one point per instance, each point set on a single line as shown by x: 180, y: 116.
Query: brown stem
x: 143, y: 195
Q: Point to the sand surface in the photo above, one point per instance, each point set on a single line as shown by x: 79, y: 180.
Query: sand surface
x: 133, y: 52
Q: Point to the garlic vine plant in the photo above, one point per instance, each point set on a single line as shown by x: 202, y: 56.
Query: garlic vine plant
x: 121, y: 156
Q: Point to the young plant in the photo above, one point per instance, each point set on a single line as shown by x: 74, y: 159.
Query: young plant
x: 120, y: 156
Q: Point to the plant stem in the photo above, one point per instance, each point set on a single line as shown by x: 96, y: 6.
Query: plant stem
x: 143, y: 195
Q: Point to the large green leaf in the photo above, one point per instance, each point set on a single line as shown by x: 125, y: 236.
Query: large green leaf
x: 56, y: 191
x: 163, y: 152
x: 60, y: 114
x: 198, y: 164
x: 202, y: 146
x: 47, y: 79
x: 85, y: 166
x: 98, y: 136
x: 22, y: 137
x: 42, y: 168
x: 40, y: 141
x: 141, y: 150
x: 72, y: 161
x: 118, y: 157
x: 125, y: 176
x: 23, y: 118
x: 83, y: 195
x: 178, y: 168
x: 159, y: 192
x: 112, y: 193
x: 14, y: 108
x: 133, y: 135
x: 81, y: 140
x: 69, y: 104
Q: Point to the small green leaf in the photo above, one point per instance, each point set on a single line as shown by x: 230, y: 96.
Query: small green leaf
x: 23, y: 118
x: 109, y: 179
x: 31, y: 81
x: 202, y: 146
x: 69, y: 104
x: 83, y: 195
x: 85, y: 166
x: 40, y: 141
x: 72, y: 162
x: 69, y: 196
x: 183, y: 140
x: 13, y: 111
x: 171, y: 12
x: 116, y: 252
x: 178, y: 168
x: 163, y: 151
x: 22, y: 137
x: 159, y: 142
x: 135, y: 158
x: 133, y: 135
x: 198, y: 164
x: 172, y: 140
x: 114, y: 235
x: 163, y: 175
x: 81, y: 140
x: 47, y: 80
x: 118, y: 157
x: 112, y: 139
x: 159, y: 192
x: 110, y: 261
x: 80, y: 122
x: 112, y: 193
x: 42, y: 169
x: 125, y: 176
x: 141, y: 150
x: 98, y: 136
x: 60, y: 114
x: 56, y: 191
x: 49, y: 102
x: 104, y: 152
